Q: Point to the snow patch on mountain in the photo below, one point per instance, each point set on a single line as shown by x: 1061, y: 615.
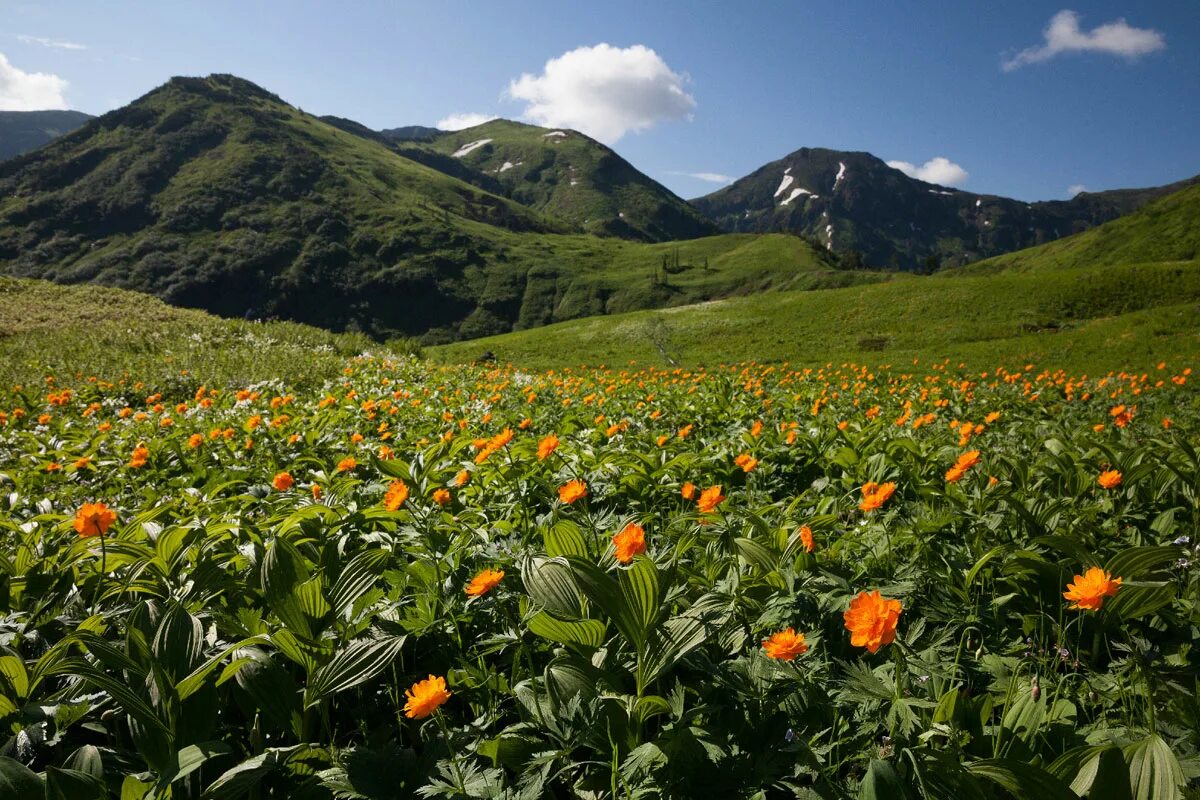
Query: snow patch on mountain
x: 553, y: 134
x: 784, y: 184
x: 841, y: 174
x: 468, y: 147
x: 795, y: 193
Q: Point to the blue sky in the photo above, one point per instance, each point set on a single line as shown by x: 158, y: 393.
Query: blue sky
x: 727, y: 88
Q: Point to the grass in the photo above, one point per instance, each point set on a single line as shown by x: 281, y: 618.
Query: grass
x: 1082, y: 319
x: 84, y: 331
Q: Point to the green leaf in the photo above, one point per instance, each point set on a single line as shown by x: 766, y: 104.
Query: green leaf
x: 18, y: 780
x: 283, y: 570
x: 756, y: 554
x: 69, y: 784
x: 616, y: 602
x: 882, y: 782
x: 1137, y: 599
x: 193, y: 682
x: 639, y: 584
x: 1154, y: 772
x: 178, y: 642
x: 239, y: 780
x: 551, y: 584
x: 192, y: 757
x: 565, y: 539
x: 356, y: 579
x: 352, y: 666
x: 1136, y: 562
x: 1022, y: 780
x: 586, y: 632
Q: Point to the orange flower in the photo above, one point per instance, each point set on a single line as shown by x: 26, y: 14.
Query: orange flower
x: 195, y: 440
x: 546, y: 447
x: 283, y: 481
x: 871, y: 620
x: 462, y: 478
x: 315, y: 490
x: 484, y: 582
x: 141, y: 454
x: 875, y: 495
x: 425, y: 697
x: 631, y: 541
x: 397, y: 493
x: 346, y: 464
x: 710, y: 498
x: 806, y: 538
x: 688, y: 491
x: 785, y: 645
x: 572, y: 491
x: 93, y: 519
x: 442, y: 497
x: 1089, y: 589
x: 1109, y: 479
x: 746, y: 462
x: 756, y: 428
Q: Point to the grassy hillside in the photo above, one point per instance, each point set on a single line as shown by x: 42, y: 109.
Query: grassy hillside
x: 110, y: 333
x: 573, y: 177
x: 1085, y: 320
x: 1167, y: 229
x: 214, y: 194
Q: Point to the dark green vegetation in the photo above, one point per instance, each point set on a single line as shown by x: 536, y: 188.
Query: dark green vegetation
x: 22, y: 131
x: 213, y: 193
x: 1123, y: 294
x: 898, y: 222
x: 47, y: 329
x: 573, y: 177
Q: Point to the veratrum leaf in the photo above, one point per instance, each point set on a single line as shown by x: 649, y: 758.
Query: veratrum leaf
x: 356, y: 579
x: 355, y: 664
x: 551, y: 584
x: 882, y: 782
x: 1021, y: 779
x: 18, y: 780
x: 640, y: 586
x: 1154, y: 772
x: 587, y: 632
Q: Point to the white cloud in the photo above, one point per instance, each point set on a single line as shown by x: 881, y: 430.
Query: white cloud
x: 468, y: 119
x: 1064, y: 36
x: 710, y: 177
x: 1075, y: 188
x: 56, y: 43
x: 937, y: 170
x: 29, y: 91
x: 604, y: 91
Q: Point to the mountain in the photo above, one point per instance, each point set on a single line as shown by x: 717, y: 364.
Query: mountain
x: 1121, y: 295
x: 22, y: 131
x: 410, y: 133
x: 854, y: 201
x: 572, y: 177
x: 213, y: 193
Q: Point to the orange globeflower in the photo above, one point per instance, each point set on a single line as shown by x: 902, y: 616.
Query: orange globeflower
x: 875, y: 495
x: 141, y: 454
x: 785, y: 645
x: 746, y: 462
x: 346, y: 464
x: 630, y: 542
x: 964, y: 463
x: 195, y: 440
x: 397, y: 493
x: 688, y: 491
x: 484, y: 582
x: 546, y: 447
x: 871, y: 620
x: 462, y: 478
x: 283, y: 481
x: 93, y: 519
x: 806, y: 538
x: 710, y: 498
x: 1109, y: 479
x: 1089, y: 589
x: 442, y: 497
x: 425, y: 697
x: 571, y: 491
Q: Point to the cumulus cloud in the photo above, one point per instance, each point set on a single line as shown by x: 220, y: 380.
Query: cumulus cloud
x: 468, y: 119
x: 1075, y: 188
x: 29, y: 91
x: 937, y: 170
x: 710, y: 177
x: 55, y: 43
x: 604, y: 91
x: 1063, y: 35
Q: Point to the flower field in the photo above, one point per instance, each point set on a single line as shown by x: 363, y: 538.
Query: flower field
x: 748, y: 582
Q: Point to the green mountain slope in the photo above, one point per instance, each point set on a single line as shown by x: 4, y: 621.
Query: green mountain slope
x: 213, y: 193
x: 570, y: 176
x: 855, y: 201
x: 1167, y: 229
x: 22, y: 131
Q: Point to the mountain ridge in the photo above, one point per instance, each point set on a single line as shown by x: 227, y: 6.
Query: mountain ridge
x: 22, y: 131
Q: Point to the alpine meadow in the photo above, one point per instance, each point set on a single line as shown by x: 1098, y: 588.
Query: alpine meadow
x: 408, y: 433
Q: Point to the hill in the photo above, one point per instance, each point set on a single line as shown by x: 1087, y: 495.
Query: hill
x: 22, y: 131
x: 572, y: 177
x: 1165, y: 230
x: 213, y: 193
x: 855, y: 201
